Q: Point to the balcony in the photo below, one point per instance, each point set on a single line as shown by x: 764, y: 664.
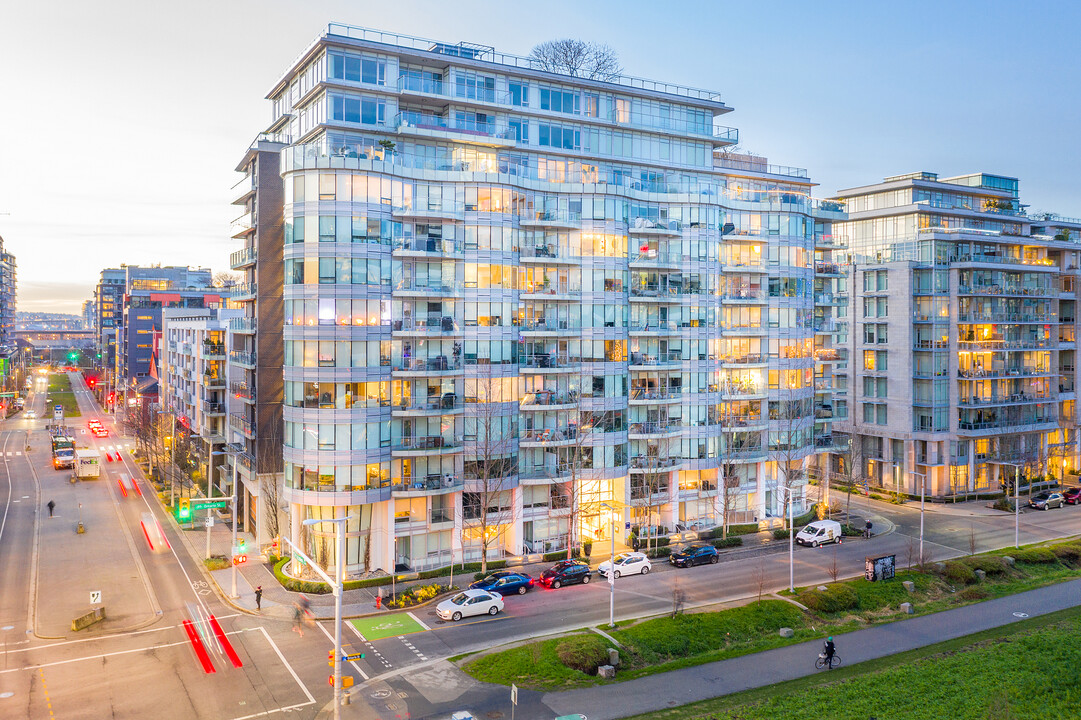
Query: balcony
x: 428, y: 366
x: 539, y: 327
x: 548, y: 291
x: 213, y: 351
x: 1027, y: 263
x: 445, y: 404
x: 741, y: 391
x: 214, y: 409
x: 743, y: 299
x: 244, y: 325
x: 655, y: 429
x: 433, y: 484
x: 551, y: 253
x: 658, y: 228
x: 1006, y: 399
x: 666, y: 359
x: 433, y: 325
x: 243, y: 258
x: 427, y: 445
x: 660, y: 396
x: 427, y: 212
x: 428, y: 288
x: 242, y: 424
x: 748, y: 359
x: 242, y: 225
x: 551, y: 437
x: 426, y: 247
x: 647, y: 463
x: 1007, y: 317
x: 548, y: 400
x: 1006, y: 290
x: 551, y: 219
x: 999, y: 344
x: 827, y: 269
x: 548, y: 363
x: 825, y: 327
x: 424, y: 125
x: 656, y: 293
x: 657, y: 260
x: 242, y: 391
x: 243, y: 359
x: 243, y: 291
x: 654, y: 328
x: 213, y: 381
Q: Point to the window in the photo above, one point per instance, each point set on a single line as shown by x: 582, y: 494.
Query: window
x: 882, y: 280
x: 880, y: 360
x: 869, y: 360
x: 357, y: 110
x: 356, y: 69
x: 520, y: 128
x: 519, y: 94
x: 558, y: 136
x: 559, y: 101
x: 475, y: 87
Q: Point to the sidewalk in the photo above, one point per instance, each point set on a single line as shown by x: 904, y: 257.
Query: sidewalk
x: 440, y: 688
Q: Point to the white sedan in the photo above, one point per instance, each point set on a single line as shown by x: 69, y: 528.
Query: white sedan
x: 630, y: 563
x: 469, y: 602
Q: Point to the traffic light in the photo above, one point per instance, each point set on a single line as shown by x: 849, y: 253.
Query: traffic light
x: 240, y: 559
x: 241, y: 545
x: 185, y: 509
x: 73, y: 355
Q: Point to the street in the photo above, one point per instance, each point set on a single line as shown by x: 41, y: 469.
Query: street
x: 49, y: 572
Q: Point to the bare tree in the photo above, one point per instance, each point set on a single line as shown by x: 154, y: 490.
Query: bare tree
x: 225, y: 279
x: 491, y: 433
x: 851, y: 471
x: 833, y: 568
x: 577, y: 58
x: 760, y: 577
x: 269, y: 455
x: 790, y: 446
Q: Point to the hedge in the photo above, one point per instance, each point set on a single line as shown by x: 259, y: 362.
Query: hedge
x: 1067, y: 552
x: 959, y: 571
x: 662, y: 552
x: 318, y: 587
x: 717, y: 532
x: 584, y: 653
x: 989, y: 564
x: 728, y: 542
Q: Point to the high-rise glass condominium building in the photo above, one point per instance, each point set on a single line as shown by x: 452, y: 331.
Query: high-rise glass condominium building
x: 522, y: 308
x: 963, y: 348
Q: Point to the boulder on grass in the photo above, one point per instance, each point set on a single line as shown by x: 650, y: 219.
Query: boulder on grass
x: 787, y: 632
x: 909, y: 585
x: 606, y: 671
x: 907, y: 608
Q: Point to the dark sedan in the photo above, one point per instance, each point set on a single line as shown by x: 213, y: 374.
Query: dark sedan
x: 505, y: 582
x: 1072, y: 496
x: 567, y: 572
x: 1046, y: 500
x: 694, y: 554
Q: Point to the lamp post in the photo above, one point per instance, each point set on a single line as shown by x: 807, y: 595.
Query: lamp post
x: 338, y: 587
x: 612, y: 571
x: 923, y: 488
x: 235, y: 460
x: 791, y: 540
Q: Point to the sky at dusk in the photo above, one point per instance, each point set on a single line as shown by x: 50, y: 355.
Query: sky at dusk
x: 121, y: 122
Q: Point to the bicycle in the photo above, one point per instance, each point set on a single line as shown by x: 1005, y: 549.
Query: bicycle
x: 821, y: 661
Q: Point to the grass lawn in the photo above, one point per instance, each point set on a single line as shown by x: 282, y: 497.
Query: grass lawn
x: 1008, y: 672
x: 665, y: 643
x: 60, y: 394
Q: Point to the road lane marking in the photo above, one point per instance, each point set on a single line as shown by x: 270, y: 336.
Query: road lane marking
x: 311, y: 700
x: 48, y: 700
x: 419, y: 621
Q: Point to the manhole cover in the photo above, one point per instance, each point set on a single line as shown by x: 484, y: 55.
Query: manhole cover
x: 494, y: 715
x: 1020, y: 614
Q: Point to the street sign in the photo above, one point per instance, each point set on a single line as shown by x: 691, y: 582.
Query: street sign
x: 58, y: 408
x: 95, y: 597
x: 514, y: 694
x: 206, y: 503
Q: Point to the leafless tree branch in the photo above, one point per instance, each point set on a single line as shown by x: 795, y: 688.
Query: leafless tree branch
x: 577, y: 58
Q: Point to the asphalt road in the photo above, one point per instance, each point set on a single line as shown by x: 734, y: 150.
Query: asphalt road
x: 139, y: 662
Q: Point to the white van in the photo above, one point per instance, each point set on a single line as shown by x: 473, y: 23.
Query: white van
x: 820, y: 532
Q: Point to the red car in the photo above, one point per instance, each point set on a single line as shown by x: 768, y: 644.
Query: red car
x: 1072, y: 495
x: 100, y: 432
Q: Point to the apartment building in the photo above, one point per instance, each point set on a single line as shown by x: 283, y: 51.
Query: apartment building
x: 8, y: 294
x: 108, y: 300
x: 192, y: 385
x: 147, y: 290
x: 255, y: 358
x: 523, y: 309
x: 963, y: 368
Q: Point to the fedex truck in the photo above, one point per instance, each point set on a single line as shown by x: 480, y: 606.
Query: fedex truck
x: 87, y: 463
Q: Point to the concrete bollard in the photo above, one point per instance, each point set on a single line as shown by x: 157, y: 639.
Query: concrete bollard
x: 613, y: 657
x: 909, y: 585
x: 787, y: 632
x: 606, y: 671
x: 907, y: 608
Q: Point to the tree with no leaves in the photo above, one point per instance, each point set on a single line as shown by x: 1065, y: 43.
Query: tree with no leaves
x: 577, y: 58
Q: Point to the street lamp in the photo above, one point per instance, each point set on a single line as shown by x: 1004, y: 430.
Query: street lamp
x: 338, y: 587
x: 923, y: 488
x: 612, y: 571
x: 791, y: 539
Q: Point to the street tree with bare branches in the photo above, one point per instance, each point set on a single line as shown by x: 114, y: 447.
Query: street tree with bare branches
x: 577, y: 58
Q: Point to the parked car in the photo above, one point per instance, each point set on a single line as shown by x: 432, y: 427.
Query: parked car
x: 505, y: 582
x: 1072, y: 496
x: 694, y: 554
x: 469, y: 602
x: 628, y: 563
x: 1047, y: 500
x: 565, y: 572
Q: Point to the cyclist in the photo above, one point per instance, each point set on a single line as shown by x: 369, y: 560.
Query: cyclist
x: 831, y: 650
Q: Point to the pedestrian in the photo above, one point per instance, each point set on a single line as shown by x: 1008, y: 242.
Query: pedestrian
x: 867, y: 529
x: 50, y: 505
x: 259, y: 598
x: 298, y: 618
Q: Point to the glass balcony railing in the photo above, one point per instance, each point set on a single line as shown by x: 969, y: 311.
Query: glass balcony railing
x: 422, y: 121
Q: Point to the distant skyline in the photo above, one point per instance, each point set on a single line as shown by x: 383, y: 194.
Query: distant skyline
x: 124, y: 120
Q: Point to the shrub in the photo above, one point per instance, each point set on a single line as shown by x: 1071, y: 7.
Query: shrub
x: 1068, y: 553
x: 416, y: 595
x: 584, y: 653
x: 835, y: 598
x: 728, y: 542
x: 1035, y: 556
x: 555, y: 556
x: 587, y: 547
x: 976, y: 592
x: 662, y: 552
x: 850, y: 530
x: 780, y: 534
x: 217, y: 562
x: 959, y: 572
x: 1003, y: 504
x: 989, y: 564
